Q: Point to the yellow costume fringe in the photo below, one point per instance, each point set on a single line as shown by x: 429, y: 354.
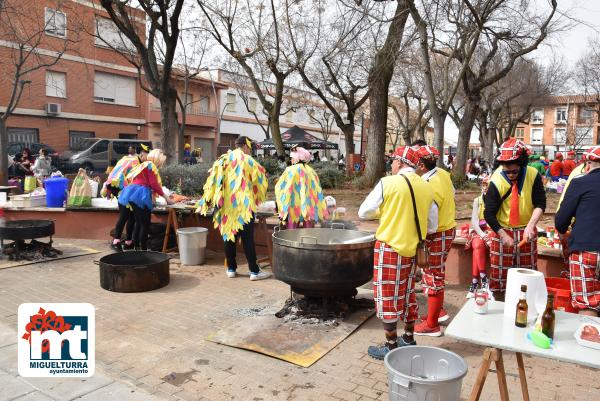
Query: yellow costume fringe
x: 299, y: 195
x: 235, y: 186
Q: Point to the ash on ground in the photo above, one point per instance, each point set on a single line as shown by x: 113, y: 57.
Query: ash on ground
x: 35, y: 250
x: 329, y: 311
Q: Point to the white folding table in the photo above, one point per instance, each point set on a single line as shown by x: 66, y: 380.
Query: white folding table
x: 499, y: 333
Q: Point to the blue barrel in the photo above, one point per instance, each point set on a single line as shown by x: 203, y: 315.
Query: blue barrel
x: 56, y: 190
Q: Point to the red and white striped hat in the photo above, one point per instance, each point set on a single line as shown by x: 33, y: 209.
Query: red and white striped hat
x: 428, y: 152
x: 407, y: 155
x: 593, y: 154
x: 511, y: 150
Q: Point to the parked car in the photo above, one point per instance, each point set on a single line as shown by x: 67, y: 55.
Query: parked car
x: 95, y: 154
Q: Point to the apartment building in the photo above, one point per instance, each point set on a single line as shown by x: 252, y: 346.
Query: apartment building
x: 562, y: 123
x: 92, y: 91
x: 201, y: 100
x: 239, y: 102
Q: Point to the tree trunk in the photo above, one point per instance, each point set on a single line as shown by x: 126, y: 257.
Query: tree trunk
x: 181, y: 137
x: 169, y: 125
x: 464, y: 135
x: 3, y: 153
x: 439, y: 119
x: 348, y: 131
x: 379, y: 83
x: 276, y: 135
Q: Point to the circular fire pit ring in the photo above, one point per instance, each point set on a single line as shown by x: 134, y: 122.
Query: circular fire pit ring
x: 26, y: 229
x: 134, y: 271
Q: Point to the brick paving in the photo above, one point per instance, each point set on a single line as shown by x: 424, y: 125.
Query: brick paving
x: 152, y: 344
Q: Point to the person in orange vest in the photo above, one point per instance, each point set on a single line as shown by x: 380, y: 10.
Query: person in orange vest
x: 394, y: 201
x: 569, y: 164
x: 514, y: 203
x: 439, y: 243
x: 556, y: 168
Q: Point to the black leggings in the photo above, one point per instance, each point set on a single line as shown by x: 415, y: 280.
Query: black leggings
x: 142, y: 226
x: 247, y: 235
x: 127, y: 220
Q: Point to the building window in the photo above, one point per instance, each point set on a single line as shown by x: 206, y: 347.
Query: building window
x: 584, y: 136
x: 586, y: 114
x: 56, y: 84
x: 537, y: 136
x: 117, y: 89
x: 252, y: 105
x: 560, y: 136
x: 561, y: 115
x: 230, y: 102
x: 108, y: 35
x: 537, y: 116
x: 204, y: 104
x: 76, y: 137
x: 56, y: 23
x: 520, y: 133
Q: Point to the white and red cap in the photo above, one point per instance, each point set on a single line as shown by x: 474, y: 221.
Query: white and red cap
x: 407, y: 155
x: 593, y: 154
x: 428, y: 152
x: 511, y: 150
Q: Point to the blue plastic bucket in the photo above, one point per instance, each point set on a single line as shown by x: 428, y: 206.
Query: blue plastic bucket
x: 56, y: 189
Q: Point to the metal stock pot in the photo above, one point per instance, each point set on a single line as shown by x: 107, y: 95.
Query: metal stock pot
x: 323, y: 261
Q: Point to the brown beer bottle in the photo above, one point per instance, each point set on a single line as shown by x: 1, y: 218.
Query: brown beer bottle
x: 548, y: 318
x: 521, y: 315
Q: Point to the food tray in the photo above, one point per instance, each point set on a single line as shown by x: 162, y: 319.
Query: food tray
x: 585, y: 343
x: 28, y: 200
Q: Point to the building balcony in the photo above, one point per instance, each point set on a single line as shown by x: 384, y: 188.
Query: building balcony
x: 193, y: 117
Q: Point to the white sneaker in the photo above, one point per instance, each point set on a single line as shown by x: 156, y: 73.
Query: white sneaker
x: 261, y: 275
x: 231, y: 273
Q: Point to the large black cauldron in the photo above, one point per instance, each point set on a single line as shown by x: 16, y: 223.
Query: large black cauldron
x: 323, y: 261
x: 134, y: 271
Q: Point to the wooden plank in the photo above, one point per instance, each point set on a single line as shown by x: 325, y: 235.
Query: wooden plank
x: 502, y: 384
x: 481, y: 376
x: 522, y: 376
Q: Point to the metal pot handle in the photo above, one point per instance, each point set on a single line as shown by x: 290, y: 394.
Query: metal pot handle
x: 333, y: 225
x: 276, y: 229
x: 97, y: 262
x: 307, y: 236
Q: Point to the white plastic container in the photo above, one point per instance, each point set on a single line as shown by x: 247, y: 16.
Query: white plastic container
x: 419, y: 373
x: 585, y: 343
x: 192, y: 245
x: 28, y: 200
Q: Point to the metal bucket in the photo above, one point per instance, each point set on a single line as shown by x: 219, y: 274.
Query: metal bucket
x: 134, y: 271
x: 419, y: 373
x: 192, y: 245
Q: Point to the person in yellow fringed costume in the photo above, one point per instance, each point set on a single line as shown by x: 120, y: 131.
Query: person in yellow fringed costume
x: 298, y: 193
x: 235, y: 186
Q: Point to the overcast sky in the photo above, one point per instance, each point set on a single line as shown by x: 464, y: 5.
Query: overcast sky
x: 569, y: 45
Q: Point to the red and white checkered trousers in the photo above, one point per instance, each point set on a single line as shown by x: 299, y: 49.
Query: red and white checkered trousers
x: 585, y: 280
x: 434, y: 275
x: 503, y: 258
x: 394, y: 285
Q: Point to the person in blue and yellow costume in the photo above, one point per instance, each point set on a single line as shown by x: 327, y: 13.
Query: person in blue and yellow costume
x: 235, y: 186
x: 113, y: 187
x: 298, y: 193
x: 143, y: 184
